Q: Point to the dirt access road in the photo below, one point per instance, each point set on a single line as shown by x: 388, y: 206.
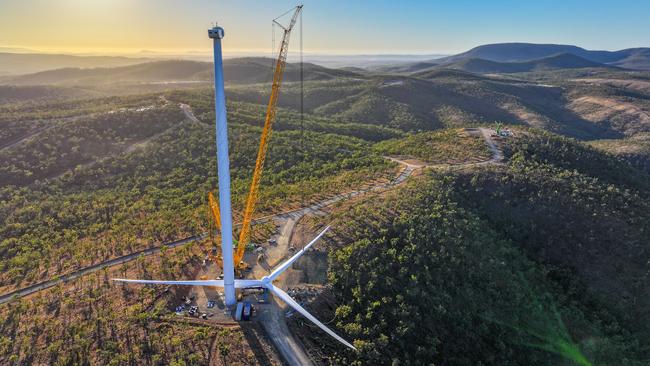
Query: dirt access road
x: 49, y: 124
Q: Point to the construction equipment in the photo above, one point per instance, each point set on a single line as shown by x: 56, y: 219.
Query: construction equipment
x: 271, y: 109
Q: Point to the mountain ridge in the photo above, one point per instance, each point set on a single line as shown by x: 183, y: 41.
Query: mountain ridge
x: 238, y: 70
x: 630, y: 58
x: 554, y: 62
x: 18, y: 63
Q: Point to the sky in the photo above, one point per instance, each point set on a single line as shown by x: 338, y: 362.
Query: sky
x: 348, y: 27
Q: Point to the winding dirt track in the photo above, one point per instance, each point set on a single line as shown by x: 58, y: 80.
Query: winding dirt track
x: 51, y: 123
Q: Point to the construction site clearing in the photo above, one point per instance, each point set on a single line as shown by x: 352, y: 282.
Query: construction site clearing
x: 208, y: 303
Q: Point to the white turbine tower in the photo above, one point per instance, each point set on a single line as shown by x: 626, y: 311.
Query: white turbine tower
x: 229, y: 284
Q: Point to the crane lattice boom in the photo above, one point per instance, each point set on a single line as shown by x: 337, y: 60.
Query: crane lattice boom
x: 271, y: 110
x: 214, y: 208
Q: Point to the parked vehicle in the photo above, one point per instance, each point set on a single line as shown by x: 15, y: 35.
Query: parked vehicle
x: 193, y: 311
x: 248, y: 311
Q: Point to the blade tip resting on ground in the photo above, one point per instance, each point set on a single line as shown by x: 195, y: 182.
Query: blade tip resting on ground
x: 292, y: 303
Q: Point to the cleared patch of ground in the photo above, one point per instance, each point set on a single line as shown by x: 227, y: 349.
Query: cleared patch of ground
x: 631, y: 84
x: 624, y: 116
x: 635, y: 150
x: 449, y: 146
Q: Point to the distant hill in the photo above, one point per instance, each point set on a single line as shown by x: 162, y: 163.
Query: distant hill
x: 632, y: 58
x: 447, y: 73
x: 520, y: 52
x: 580, y: 108
x: 150, y: 71
x: 407, y: 68
x: 636, y: 59
x: 556, y: 62
x: 259, y: 69
x: 27, y: 63
x: 11, y: 93
x: 239, y: 70
x: 412, y: 104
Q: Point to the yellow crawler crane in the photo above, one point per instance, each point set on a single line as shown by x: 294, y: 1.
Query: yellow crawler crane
x: 271, y: 109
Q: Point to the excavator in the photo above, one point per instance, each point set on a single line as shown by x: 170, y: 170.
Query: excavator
x: 271, y: 110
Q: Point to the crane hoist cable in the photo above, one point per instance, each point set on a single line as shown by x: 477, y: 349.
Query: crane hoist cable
x: 302, y: 111
x: 302, y: 98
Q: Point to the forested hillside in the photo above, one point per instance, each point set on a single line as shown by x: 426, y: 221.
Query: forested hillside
x: 108, y: 179
x: 448, y: 146
x: 635, y: 150
x: 128, y: 179
x: 17, y: 94
x: 542, y: 261
x: 582, y: 105
x: 562, y: 93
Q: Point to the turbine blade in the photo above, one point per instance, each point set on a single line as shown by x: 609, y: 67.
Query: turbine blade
x: 218, y: 283
x: 291, y: 302
x: 248, y: 283
x: 278, y: 271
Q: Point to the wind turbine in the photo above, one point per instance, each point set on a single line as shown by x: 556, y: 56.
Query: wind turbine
x: 229, y: 284
x: 265, y: 282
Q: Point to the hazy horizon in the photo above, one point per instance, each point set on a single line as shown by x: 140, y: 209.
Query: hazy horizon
x: 414, y: 27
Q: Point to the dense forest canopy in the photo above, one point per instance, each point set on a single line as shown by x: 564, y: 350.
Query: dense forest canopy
x: 542, y: 261
x: 116, y: 182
